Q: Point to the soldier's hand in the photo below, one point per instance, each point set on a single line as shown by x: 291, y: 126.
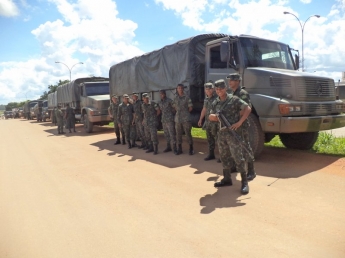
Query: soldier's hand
x: 236, y: 126
x: 120, y: 125
x: 199, y: 123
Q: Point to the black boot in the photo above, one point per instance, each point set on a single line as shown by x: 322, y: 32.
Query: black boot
x: 155, y: 149
x: 149, y: 148
x: 142, y: 144
x: 146, y: 146
x: 117, y: 141
x: 191, y: 151
x: 123, y: 140
x: 134, y: 144
x: 179, y: 150
x: 129, y: 145
x: 219, y: 160
x: 233, y: 169
x: 244, y: 186
x: 168, y: 147
x: 226, y: 181
x: 210, y: 155
x: 175, y: 149
x: 251, y: 172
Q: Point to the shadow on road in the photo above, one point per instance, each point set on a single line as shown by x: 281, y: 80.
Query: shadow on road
x: 80, y: 130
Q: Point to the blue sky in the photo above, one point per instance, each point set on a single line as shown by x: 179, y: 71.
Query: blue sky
x: 36, y: 33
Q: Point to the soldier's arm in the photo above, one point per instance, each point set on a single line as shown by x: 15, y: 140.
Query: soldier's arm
x: 246, y: 112
x: 190, y: 105
x: 202, y: 115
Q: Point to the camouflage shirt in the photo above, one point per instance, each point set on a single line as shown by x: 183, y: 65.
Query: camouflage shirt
x: 242, y: 94
x: 208, y: 105
x: 138, y: 111
x: 182, y: 105
x: 59, y: 114
x: 69, y: 112
x: 150, y: 113
x: 230, y: 107
x: 168, y: 112
x: 125, y: 114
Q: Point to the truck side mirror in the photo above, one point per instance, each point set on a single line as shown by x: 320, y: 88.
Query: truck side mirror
x: 224, y: 51
x: 297, y: 61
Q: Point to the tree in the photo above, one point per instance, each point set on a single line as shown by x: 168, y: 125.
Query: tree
x: 52, y: 88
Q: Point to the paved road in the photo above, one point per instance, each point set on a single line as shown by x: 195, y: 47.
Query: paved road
x: 78, y: 195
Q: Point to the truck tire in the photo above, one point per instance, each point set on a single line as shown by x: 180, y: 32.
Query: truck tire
x: 300, y: 141
x: 256, y: 135
x: 88, y: 126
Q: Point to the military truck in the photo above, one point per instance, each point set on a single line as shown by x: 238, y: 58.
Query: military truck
x: 37, y: 111
x: 27, y: 108
x: 89, y: 97
x: 52, y: 103
x: 45, y: 112
x: 292, y: 104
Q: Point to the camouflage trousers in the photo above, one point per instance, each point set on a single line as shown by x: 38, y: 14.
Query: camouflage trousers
x: 169, y: 132
x: 151, y: 134
x: 54, y: 119
x: 140, y: 129
x: 245, y: 136
x: 230, y: 151
x: 60, y: 125
x: 211, y: 134
x: 127, y: 132
x: 133, y: 132
x: 187, y: 128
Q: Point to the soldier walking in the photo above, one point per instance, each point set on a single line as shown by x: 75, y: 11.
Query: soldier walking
x: 168, y: 116
x: 125, y: 118
x: 234, y: 80
x: 113, y: 111
x: 209, y: 126
x: 70, y: 118
x: 183, y: 106
x: 59, y: 119
x: 236, y: 112
x: 138, y: 119
x: 151, y: 112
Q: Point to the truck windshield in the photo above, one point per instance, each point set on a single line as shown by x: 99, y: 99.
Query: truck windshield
x: 32, y: 104
x: 262, y: 53
x: 97, y: 89
x: 45, y: 104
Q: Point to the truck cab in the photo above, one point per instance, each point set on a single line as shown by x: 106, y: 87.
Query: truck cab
x: 292, y: 104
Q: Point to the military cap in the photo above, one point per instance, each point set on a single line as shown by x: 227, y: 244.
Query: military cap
x: 114, y: 96
x: 162, y: 91
x: 234, y: 77
x: 125, y: 96
x: 145, y: 95
x: 209, y: 85
x: 180, y: 85
x: 135, y: 94
x: 220, y: 84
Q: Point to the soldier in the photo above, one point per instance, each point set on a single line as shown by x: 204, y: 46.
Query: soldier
x: 168, y: 114
x: 125, y: 118
x: 70, y: 118
x: 151, y: 112
x: 138, y: 119
x: 113, y: 110
x: 236, y: 112
x: 183, y: 106
x: 209, y: 126
x: 54, y: 116
x: 59, y: 119
x: 234, y: 80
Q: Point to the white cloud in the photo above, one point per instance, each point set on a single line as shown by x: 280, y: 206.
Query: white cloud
x: 8, y: 8
x: 306, y: 1
x: 90, y: 32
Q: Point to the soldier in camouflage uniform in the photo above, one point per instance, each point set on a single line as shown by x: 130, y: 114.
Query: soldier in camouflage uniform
x: 151, y: 112
x: 210, y: 126
x: 54, y: 116
x: 59, y: 119
x: 183, y: 106
x: 70, y: 118
x: 125, y: 118
x: 234, y: 83
x: 138, y: 119
x: 236, y: 112
x: 168, y: 115
x: 113, y: 111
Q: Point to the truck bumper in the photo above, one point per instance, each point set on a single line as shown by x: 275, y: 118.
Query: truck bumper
x: 301, y: 124
x: 100, y: 119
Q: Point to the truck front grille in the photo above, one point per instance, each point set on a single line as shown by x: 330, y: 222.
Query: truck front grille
x: 314, y: 89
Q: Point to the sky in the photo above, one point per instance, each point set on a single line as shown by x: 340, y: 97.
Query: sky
x: 34, y: 34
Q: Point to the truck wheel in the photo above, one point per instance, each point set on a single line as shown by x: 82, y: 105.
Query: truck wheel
x: 300, y: 141
x: 88, y: 126
x: 256, y: 135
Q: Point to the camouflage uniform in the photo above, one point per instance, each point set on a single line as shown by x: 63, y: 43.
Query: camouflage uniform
x: 210, y: 126
x: 151, y: 122
x: 182, y: 120
x: 70, y: 119
x: 168, y: 115
x: 114, y: 108
x: 138, y: 118
x: 59, y: 119
x: 54, y: 116
x: 125, y: 118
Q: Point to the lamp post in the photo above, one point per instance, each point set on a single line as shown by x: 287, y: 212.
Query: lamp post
x: 70, y: 69
x: 302, y: 28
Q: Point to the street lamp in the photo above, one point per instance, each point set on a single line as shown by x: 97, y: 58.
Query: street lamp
x: 70, y: 69
x: 302, y: 28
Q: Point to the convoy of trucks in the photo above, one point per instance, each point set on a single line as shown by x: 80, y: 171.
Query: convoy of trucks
x: 27, y: 109
x: 292, y: 104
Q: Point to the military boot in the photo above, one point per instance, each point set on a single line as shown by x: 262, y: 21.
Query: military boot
x: 149, y: 148
x: 251, y: 172
x: 226, y: 181
x: 210, y: 155
x: 233, y: 169
x: 129, y: 145
x: 142, y: 144
x: 134, y: 144
x: 191, y: 150
x: 168, y: 148
x: 244, y: 186
x: 146, y: 145
x: 175, y: 149
x: 219, y: 160
x: 179, y: 150
x: 117, y: 141
x: 155, y: 149
x: 123, y: 140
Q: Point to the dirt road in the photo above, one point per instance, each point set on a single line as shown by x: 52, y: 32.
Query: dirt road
x: 78, y: 195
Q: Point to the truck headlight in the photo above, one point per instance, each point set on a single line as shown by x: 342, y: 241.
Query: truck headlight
x: 285, y: 109
x: 95, y: 113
